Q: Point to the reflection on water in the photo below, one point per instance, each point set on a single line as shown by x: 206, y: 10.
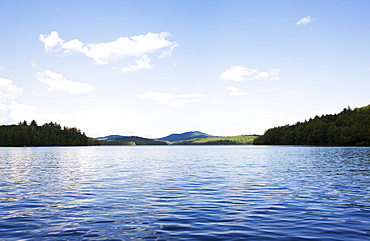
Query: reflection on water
x: 172, y: 193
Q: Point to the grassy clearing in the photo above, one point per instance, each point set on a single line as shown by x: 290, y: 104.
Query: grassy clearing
x: 221, y: 140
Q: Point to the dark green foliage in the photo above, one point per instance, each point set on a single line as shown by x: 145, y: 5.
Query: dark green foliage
x: 92, y: 142
x: 130, y: 140
x: 49, y: 134
x: 348, y: 128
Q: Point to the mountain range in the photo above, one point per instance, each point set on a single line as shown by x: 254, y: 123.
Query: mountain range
x: 184, y: 136
x: 187, y: 138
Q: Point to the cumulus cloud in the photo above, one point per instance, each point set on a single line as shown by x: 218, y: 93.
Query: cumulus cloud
x: 236, y: 91
x: 240, y: 73
x: 138, y: 47
x: 365, y: 70
x: 33, y: 64
x: 58, y: 83
x: 9, y: 113
x: 51, y: 41
x: 172, y: 99
x: 140, y: 64
x: 16, y: 112
x: 305, y: 21
x: 4, y: 113
x: 9, y: 91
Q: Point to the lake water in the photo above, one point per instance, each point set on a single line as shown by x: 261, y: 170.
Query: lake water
x: 185, y: 193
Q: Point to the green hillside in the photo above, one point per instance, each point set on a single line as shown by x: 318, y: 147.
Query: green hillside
x: 187, y: 138
x: 348, y: 128
x: 130, y: 140
x: 221, y: 140
x: 184, y: 136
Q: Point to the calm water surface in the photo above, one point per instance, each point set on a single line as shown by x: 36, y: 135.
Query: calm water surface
x: 185, y: 193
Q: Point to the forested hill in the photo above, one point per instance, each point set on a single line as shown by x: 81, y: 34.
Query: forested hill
x: 220, y: 140
x: 128, y: 140
x: 184, y: 136
x: 49, y: 134
x: 348, y: 128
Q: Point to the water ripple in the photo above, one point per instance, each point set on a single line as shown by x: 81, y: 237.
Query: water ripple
x: 185, y: 193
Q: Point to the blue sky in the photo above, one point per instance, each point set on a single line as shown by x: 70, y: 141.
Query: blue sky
x: 152, y: 68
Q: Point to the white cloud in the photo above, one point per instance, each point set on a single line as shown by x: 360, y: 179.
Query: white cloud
x: 240, y: 73
x: 14, y: 112
x: 8, y: 91
x: 20, y: 112
x: 51, y: 41
x: 74, y: 45
x: 365, y: 70
x: 58, y: 83
x: 2, y: 68
x: 172, y: 99
x: 236, y: 91
x: 140, y: 64
x: 305, y: 21
x: 237, y: 73
x: 169, y: 51
x: 4, y: 113
x: 138, y: 47
x: 33, y: 64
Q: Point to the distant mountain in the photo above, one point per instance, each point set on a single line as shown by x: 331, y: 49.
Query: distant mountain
x: 187, y: 138
x: 109, y: 137
x: 184, y: 136
x: 130, y: 140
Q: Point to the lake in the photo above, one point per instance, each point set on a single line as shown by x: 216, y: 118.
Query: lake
x: 185, y: 193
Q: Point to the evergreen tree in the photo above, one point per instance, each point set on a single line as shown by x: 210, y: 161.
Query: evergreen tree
x: 348, y: 128
x: 49, y: 134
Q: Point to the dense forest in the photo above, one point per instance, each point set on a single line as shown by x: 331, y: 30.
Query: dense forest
x: 348, y: 128
x: 49, y: 134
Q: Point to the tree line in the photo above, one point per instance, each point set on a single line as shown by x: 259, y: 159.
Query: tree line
x: 49, y: 134
x: 220, y: 140
x: 347, y: 128
x: 130, y: 141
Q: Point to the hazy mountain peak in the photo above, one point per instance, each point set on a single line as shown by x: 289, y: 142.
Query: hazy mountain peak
x: 184, y: 136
